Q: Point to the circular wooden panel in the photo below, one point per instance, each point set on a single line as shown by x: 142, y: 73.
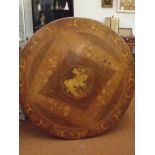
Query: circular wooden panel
x: 76, y: 78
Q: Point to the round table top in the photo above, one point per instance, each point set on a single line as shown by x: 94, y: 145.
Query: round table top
x: 76, y: 78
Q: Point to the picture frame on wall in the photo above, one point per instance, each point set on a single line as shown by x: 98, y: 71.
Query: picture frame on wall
x: 125, y: 32
x: 107, y: 3
x: 127, y: 6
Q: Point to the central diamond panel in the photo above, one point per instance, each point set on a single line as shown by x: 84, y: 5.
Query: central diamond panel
x: 76, y: 81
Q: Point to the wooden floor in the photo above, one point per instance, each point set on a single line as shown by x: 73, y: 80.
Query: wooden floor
x: 117, y: 141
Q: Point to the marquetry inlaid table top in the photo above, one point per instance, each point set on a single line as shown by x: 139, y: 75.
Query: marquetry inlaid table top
x: 76, y: 78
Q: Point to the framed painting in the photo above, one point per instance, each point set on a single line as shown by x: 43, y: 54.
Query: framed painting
x: 126, y: 6
x: 107, y: 3
x: 125, y: 32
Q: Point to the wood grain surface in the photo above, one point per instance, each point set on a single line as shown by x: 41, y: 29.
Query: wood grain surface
x: 119, y: 140
x: 76, y: 78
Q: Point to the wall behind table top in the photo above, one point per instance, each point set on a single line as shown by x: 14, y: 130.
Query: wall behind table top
x: 86, y: 8
x: 28, y: 18
x: 93, y: 9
